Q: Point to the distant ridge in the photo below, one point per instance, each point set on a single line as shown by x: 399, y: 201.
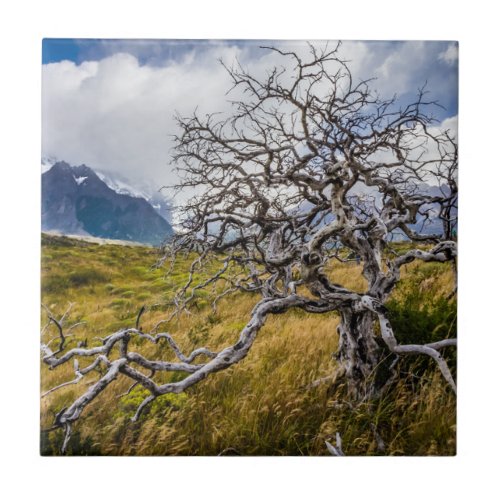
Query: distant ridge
x: 56, y: 236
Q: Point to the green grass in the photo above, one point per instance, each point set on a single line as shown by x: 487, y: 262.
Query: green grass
x: 258, y: 407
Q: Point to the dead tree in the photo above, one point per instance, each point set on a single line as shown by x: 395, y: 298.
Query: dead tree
x: 310, y: 165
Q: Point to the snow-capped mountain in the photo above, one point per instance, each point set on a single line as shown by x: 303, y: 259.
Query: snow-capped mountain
x: 147, y: 190
x: 47, y: 163
x: 120, y: 184
x: 75, y: 200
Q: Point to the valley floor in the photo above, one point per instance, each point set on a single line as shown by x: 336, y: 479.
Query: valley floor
x: 262, y: 405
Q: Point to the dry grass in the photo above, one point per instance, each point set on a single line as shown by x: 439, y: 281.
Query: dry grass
x: 258, y: 407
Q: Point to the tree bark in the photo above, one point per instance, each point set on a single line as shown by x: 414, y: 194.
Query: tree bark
x: 358, y: 354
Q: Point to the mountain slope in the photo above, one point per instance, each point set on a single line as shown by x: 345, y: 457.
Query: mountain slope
x: 76, y: 201
x: 138, y: 189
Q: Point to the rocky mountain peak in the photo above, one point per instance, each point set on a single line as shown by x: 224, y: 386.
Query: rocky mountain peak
x: 75, y: 200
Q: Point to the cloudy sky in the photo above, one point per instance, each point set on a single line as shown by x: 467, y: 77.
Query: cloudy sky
x: 110, y: 103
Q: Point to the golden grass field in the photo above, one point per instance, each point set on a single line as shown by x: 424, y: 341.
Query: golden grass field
x: 259, y: 406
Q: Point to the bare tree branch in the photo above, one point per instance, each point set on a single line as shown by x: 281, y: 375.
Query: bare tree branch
x: 336, y: 450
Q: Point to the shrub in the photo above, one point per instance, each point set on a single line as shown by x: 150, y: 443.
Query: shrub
x: 87, y: 276
x: 418, y: 322
x: 54, y: 283
x: 118, y: 303
x: 416, y: 319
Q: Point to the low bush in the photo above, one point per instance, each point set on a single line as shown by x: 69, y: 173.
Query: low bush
x: 86, y: 276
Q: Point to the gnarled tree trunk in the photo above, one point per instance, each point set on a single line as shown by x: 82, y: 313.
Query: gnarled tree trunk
x: 358, y: 353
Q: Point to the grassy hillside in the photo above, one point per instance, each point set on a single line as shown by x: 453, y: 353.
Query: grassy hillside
x: 259, y: 406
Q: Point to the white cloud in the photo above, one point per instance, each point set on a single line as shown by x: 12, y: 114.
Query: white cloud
x: 399, y: 69
x: 451, y: 125
x: 450, y: 55
x: 117, y: 115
